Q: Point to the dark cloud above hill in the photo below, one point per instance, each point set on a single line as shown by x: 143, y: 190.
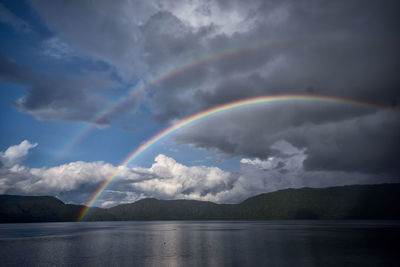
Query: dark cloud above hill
x: 367, y: 143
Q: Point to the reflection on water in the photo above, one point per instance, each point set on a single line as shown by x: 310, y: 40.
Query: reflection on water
x: 184, y: 243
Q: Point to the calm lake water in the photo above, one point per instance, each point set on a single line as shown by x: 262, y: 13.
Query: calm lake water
x: 192, y: 243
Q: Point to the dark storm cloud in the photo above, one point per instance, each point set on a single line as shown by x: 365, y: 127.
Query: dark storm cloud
x: 53, y: 97
x: 105, y: 30
x: 345, y: 48
x: 176, y: 37
x: 301, y: 53
x: 13, y: 72
x: 368, y: 143
x: 338, y: 48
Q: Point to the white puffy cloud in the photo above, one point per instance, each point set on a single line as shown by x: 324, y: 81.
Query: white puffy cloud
x: 53, y: 180
x: 79, y: 176
x: 170, y: 179
x: 14, y: 154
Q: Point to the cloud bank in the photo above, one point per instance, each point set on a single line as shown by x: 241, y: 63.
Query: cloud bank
x: 75, y: 182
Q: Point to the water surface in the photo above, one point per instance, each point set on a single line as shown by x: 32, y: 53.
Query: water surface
x: 193, y: 243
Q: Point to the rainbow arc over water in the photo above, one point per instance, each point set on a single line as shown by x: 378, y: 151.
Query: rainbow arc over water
x: 209, y: 112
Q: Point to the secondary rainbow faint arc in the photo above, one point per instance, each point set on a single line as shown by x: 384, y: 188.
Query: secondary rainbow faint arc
x: 142, y: 87
x: 203, y: 114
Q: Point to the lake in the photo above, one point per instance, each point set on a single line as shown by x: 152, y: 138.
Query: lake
x: 202, y: 243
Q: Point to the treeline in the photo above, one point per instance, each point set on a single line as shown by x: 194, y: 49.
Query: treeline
x: 336, y: 203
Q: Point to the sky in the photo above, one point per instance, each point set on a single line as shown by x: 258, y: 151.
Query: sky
x: 84, y: 83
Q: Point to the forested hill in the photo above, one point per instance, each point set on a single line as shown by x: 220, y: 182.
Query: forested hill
x: 344, y: 202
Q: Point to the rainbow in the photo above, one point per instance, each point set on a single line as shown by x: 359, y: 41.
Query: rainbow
x: 141, y: 87
x: 206, y: 113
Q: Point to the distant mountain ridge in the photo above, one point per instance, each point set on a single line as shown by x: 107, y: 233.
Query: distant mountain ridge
x: 341, y: 202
